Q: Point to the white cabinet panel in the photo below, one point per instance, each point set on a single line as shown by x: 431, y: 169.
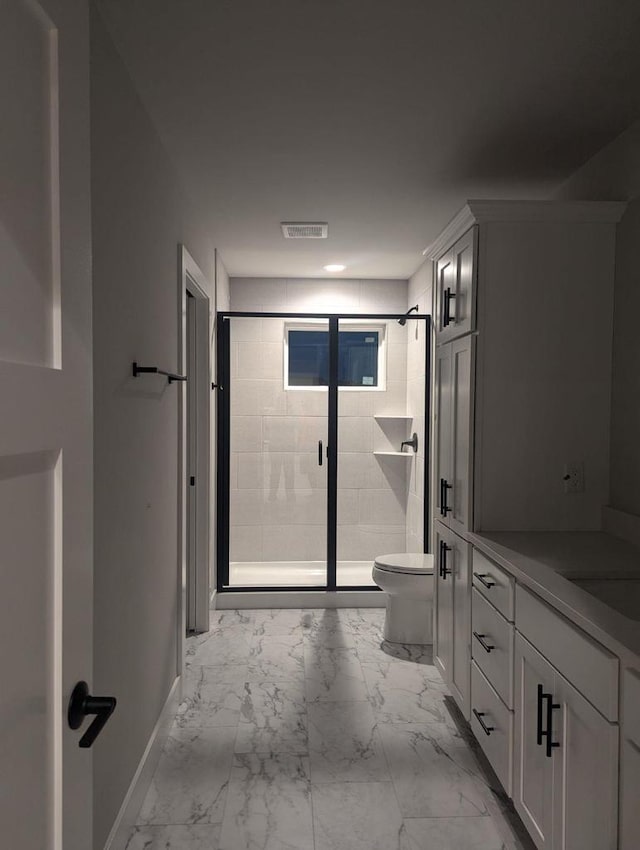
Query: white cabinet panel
x: 585, y: 771
x: 455, y: 274
x: 452, y: 653
x: 492, y: 724
x: 454, y: 429
x: 492, y: 646
x: 533, y: 769
x: 629, y: 808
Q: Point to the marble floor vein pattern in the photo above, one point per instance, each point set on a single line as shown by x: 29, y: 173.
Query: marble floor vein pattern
x: 301, y: 730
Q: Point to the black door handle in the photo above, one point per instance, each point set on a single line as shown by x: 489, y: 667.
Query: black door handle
x: 81, y: 704
x: 444, y: 507
x: 319, y: 452
x: 446, y: 307
x: 444, y: 571
x: 551, y: 744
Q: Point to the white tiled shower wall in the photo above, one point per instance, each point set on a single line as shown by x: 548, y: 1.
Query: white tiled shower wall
x: 278, y: 497
x: 420, y: 292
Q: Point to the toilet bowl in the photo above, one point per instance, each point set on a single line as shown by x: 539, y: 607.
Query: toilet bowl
x: 407, y: 579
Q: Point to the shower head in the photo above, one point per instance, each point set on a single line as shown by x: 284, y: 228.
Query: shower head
x: 403, y: 320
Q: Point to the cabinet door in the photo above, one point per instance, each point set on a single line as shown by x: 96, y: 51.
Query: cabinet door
x: 461, y: 313
x: 459, y: 682
x: 443, y: 429
x: 445, y: 286
x: 462, y: 379
x: 585, y: 779
x: 455, y: 274
x: 630, y: 782
x: 443, y: 625
x: 533, y: 768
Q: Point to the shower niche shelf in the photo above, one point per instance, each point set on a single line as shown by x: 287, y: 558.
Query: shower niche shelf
x: 400, y: 417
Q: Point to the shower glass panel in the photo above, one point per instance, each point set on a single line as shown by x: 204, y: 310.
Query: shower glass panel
x: 278, y: 399
x: 373, y: 476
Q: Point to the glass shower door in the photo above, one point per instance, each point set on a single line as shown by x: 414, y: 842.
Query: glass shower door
x: 278, y: 399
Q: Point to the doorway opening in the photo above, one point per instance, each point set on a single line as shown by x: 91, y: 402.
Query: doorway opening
x: 317, y: 471
x: 195, y: 430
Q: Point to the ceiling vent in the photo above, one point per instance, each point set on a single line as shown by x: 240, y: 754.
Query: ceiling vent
x: 304, y: 229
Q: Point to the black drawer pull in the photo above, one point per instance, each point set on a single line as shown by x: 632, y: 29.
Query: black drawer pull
x: 444, y: 507
x: 446, y: 307
x: 486, y: 646
x: 479, y: 715
x: 485, y: 580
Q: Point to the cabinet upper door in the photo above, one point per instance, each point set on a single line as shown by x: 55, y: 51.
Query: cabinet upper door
x: 455, y: 274
x: 533, y: 769
x: 443, y: 429
x: 585, y: 773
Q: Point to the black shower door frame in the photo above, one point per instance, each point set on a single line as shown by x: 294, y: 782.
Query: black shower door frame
x: 223, y: 455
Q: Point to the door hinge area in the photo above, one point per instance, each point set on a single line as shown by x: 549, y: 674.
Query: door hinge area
x: 192, y: 480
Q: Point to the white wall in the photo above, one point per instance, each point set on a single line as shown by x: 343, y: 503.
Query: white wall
x: 420, y: 292
x: 278, y: 495
x: 139, y: 216
x: 614, y: 174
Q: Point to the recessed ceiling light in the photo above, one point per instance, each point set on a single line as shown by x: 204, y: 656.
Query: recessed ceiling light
x: 334, y: 267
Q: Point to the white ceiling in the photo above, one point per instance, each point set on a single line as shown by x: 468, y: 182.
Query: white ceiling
x: 379, y: 116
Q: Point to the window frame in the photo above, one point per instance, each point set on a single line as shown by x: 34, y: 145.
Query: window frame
x: 322, y: 325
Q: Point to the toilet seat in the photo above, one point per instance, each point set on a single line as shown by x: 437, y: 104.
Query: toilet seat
x: 407, y: 563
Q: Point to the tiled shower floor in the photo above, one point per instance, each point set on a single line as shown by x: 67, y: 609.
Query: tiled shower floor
x: 299, y: 732
x: 298, y: 573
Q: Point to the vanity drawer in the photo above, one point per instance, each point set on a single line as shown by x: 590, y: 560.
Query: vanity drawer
x: 494, y: 583
x: 492, y: 646
x: 591, y: 668
x: 492, y: 724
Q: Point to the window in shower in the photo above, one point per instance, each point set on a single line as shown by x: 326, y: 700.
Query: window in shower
x: 360, y: 357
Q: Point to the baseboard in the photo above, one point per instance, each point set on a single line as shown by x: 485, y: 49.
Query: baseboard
x: 134, y: 798
x: 621, y: 524
x: 301, y: 599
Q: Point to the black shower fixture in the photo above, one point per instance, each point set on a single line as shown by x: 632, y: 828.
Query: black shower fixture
x: 403, y: 320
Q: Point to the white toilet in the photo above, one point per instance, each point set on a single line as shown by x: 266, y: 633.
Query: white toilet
x: 407, y: 579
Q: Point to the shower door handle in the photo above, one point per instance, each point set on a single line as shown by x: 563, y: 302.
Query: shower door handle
x: 320, y: 452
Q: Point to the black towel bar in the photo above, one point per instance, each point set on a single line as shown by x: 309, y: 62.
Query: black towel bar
x: 141, y: 370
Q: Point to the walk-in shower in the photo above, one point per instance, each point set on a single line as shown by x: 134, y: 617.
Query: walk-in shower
x: 322, y: 447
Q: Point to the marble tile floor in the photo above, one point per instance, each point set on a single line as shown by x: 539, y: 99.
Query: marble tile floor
x: 301, y: 730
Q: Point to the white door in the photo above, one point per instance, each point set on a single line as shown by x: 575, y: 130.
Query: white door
x: 461, y: 308
x: 46, y: 493
x: 459, y: 489
x: 443, y: 426
x: 460, y: 683
x: 533, y: 790
x: 443, y: 625
x: 585, y: 770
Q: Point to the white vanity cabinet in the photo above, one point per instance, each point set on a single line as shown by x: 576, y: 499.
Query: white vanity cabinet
x: 452, y: 613
x: 565, y: 750
x: 453, y: 430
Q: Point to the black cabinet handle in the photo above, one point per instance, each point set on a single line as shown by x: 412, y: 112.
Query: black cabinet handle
x: 446, y: 307
x: 482, y: 578
x: 479, y: 715
x: 82, y: 704
x: 486, y: 646
x: 443, y: 570
x: 551, y: 705
x: 444, y: 486
x: 539, y: 732
x: 319, y: 452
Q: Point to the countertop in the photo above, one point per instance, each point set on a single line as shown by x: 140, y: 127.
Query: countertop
x: 549, y: 562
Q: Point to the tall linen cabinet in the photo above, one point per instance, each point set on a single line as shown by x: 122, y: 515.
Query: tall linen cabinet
x: 523, y: 317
